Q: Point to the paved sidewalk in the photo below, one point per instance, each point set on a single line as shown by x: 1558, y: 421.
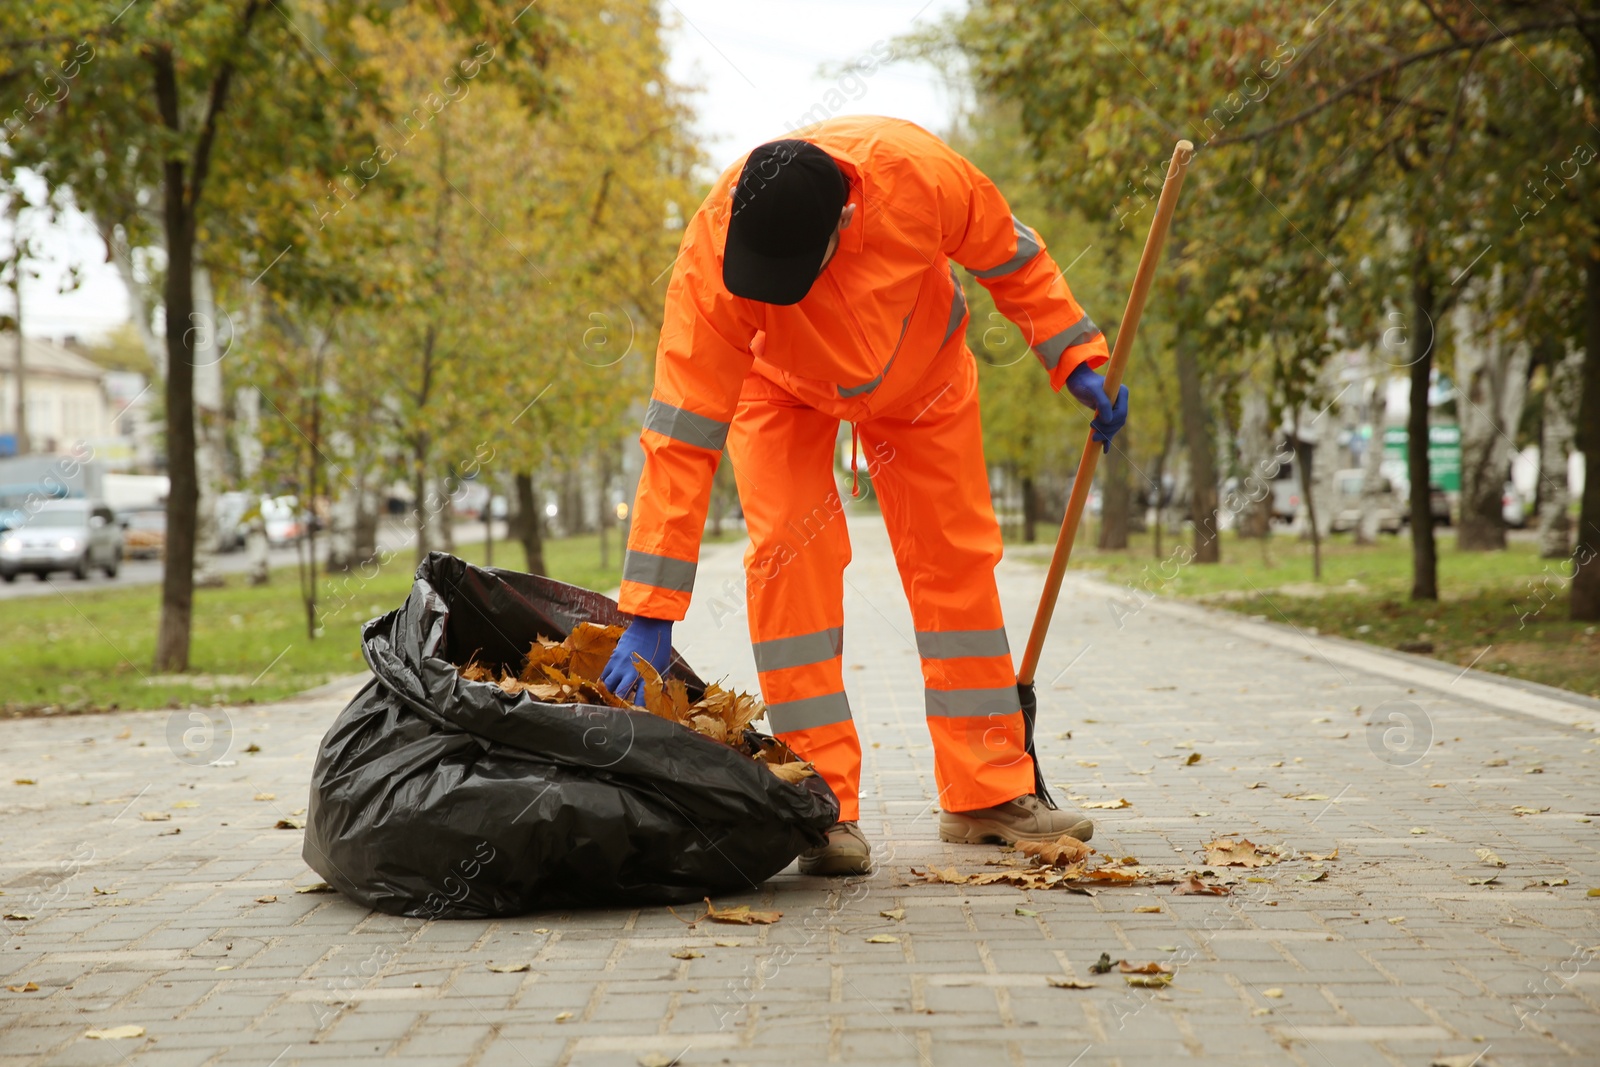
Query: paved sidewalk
x: 188, y: 924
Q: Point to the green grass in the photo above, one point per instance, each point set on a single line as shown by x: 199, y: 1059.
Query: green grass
x: 1503, y: 612
x: 90, y: 651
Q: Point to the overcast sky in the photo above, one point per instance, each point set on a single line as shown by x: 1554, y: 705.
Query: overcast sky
x: 759, y: 68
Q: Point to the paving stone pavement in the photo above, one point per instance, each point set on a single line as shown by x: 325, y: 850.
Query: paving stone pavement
x: 189, y: 926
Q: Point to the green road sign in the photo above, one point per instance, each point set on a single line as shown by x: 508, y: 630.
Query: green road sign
x: 1444, y: 453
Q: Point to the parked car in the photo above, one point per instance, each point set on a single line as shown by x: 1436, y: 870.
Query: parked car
x: 145, y: 532
x: 74, y: 535
x: 286, y: 522
x: 1345, y: 507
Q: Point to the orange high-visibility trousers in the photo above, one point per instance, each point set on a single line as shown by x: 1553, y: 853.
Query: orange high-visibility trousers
x: 925, y: 460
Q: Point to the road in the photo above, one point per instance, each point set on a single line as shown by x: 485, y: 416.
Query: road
x: 394, y: 537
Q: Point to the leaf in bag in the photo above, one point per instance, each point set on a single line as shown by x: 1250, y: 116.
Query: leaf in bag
x: 1058, y: 853
x: 590, y: 646
x: 793, y: 773
x: 543, y: 653
x: 742, y: 915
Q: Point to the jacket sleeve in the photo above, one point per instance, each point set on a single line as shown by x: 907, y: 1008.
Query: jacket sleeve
x: 1009, y: 259
x: 701, y: 362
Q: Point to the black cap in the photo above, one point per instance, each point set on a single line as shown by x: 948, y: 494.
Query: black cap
x: 786, y: 206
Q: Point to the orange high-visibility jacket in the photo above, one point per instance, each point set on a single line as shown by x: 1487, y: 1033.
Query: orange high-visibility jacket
x: 884, y: 321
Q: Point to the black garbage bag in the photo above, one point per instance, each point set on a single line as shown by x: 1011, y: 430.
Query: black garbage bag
x: 439, y: 797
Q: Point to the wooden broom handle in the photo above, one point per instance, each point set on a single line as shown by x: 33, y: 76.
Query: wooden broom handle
x: 1168, y: 203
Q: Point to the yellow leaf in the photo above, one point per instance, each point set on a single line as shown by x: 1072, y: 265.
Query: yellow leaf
x: 741, y: 915
x: 882, y: 939
x: 115, y: 1033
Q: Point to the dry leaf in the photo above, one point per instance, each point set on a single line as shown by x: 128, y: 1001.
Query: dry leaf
x: 268, y: 899
x: 29, y: 987
x: 507, y: 968
x: 741, y: 915
x: 1310, y: 876
x: 23, y: 781
x: 289, y: 823
x: 1194, y: 757
x: 948, y: 875
x: 562, y: 1017
x: 314, y: 887
x: 882, y: 939
x: 1194, y: 885
x: 1120, y: 802
x: 115, y: 1033
x: 1058, y: 853
x: 1321, y: 859
x: 187, y: 804
x: 688, y: 954
x: 1068, y: 983
x: 793, y: 773
x: 1148, y: 981
x: 1489, y: 857
x: 1151, y: 967
x: 1307, y: 796
x: 1148, y: 909
x: 155, y: 816
x: 1275, y: 994
x: 1484, y: 881
x: 1395, y: 920
x: 590, y: 646
x: 103, y: 892
x: 656, y: 1059
x: 1520, y: 810
x: 18, y: 916
x: 1225, y: 852
x: 897, y: 914
x: 266, y: 796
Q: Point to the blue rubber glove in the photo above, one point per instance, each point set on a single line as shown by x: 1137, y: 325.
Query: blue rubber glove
x: 650, y: 638
x: 1089, y: 389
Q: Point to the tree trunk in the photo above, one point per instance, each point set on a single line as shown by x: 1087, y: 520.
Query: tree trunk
x: 1491, y: 380
x: 210, y: 431
x: 419, y: 492
x: 1114, y: 495
x: 177, y: 578
x: 529, y: 523
x: 1202, y: 462
x: 1424, y: 556
x: 1254, y: 518
x: 1585, y: 599
x: 1302, y: 461
x: 1555, y: 440
x: 1366, y: 532
x: 21, y: 422
x: 1030, y: 509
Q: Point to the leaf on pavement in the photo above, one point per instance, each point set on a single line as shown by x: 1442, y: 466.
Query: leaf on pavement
x: 115, y: 1033
x: 1307, y: 796
x: 289, y: 823
x: 1069, y: 983
x: 1058, y: 853
x: 897, y: 914
x: 882, y: 939
x: 1107, y: 805
x: 507, y: 968
x: 155, y: 816
x: 314, y: 887
x: 270, y: 898
x: 27, y: 987
x: 1489, y: 857
x: 1226, y: 852
x: 741, y: 915
x: 948, y: 875
x: 1151, y: 967
x: 1193, y: 885
x: 1314, y: 858
x: 1148, y: 981
x: 1522, y: 810
x: 688, y: 954
x: 1147, y: 909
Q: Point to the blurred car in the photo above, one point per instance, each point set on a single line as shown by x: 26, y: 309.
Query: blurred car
x: 145, y: 532
x: 62, y: 535
x: 285, y: 522
x: 1346, y: 504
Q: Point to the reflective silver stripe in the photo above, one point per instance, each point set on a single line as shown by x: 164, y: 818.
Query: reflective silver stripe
x: 663, y: 572
x: 961, y: 703
x: 846, y: 392
x: 1027, y: 248
x: 958, y: 309
x: 800, y: 650
x: 952, y: 644
x: 685, y: 426
x: 809, y: 713
x: 1049, y: 350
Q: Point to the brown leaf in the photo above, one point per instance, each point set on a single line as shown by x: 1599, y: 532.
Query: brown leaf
x: 476, y: 671
x: 268, y: 899
x: 289, y: 824
x: 1148, y: 981
x: 590, y: 646
x: 1120, y: 802
x: 1195, y: 885
x: 1313, y: 857
x: 1151, y: 967
x: 541, y: 654
x: 1068, y: 983
x: 1226, y: 852
x: 1058, y: 853
x: 948, y: 875
x: 706, y: 725
x: 688, y: 954
x: 29, y: 987
x: 793, y: 773
x: 741, y: 915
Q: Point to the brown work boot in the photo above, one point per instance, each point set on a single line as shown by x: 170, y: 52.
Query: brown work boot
x: 1026, y: 818
x: 845, y: 853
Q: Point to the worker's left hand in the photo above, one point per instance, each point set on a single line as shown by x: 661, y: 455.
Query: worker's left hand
x: 1089, y: 389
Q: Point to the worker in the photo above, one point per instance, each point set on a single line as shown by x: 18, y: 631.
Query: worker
x: 816, y: 284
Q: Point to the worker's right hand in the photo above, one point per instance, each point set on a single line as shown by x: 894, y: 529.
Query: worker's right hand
x: 1089, y: 389
x: 650, y: 638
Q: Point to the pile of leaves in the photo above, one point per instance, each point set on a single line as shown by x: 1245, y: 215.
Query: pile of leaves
x: 568, y: 672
